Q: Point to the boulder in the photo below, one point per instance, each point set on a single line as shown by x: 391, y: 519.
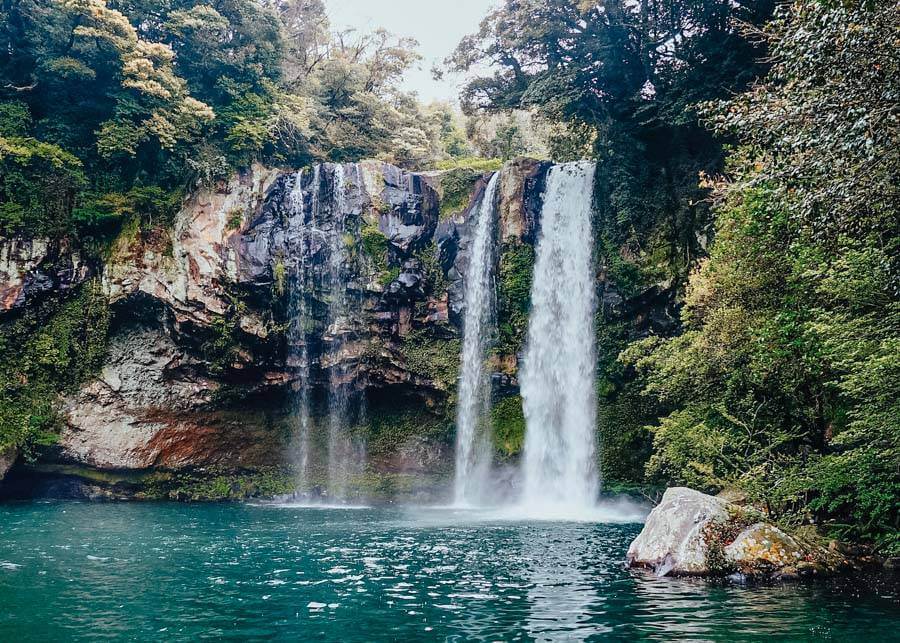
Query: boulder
x: 764, y: 548
x: 691, y: 533
x: 673, y: 538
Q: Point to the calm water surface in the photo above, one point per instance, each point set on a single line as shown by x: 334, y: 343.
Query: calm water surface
x: 186, y: 572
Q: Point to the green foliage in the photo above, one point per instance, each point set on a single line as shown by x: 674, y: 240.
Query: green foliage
x: 278, y: 276
x: 785, y: 382
x: 508, y: 141
x: 508, y: 425
x: 514, y: 296
x: 221, y: 348
x: 824, y: 124
x: 435, y: 280
x: 102, y: 99
x: 38, y: 185
x: 234, y: 219
x: 48, y: 350
x: 15, y: 119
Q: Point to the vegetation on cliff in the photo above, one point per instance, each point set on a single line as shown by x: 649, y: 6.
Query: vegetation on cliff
x: 50, y: 348
x: 111, y: 108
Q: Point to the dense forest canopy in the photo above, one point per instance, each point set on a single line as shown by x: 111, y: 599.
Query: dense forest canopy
x: 747, y: 172
x: 111, y: 108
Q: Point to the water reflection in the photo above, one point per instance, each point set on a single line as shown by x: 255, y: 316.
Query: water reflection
x: 561, y: 593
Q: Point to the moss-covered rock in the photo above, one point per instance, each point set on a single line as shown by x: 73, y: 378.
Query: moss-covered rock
x: 46, y: 351
x: 508, y: 423
x: 514, y: 296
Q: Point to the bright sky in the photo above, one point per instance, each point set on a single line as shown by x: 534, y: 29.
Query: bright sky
x: 438, y: 25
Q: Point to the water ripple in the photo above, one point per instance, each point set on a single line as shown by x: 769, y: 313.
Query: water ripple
x: 134, y: 571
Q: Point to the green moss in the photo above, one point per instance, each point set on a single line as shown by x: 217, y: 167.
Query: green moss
x: 623, y: 411
x: 224, y: 337
x: 514, y: 299
x: 475, y: 163
x: 219, y: 485
x: 234, y: 219
x: 390, y: 425
x: 456, y: 190
x: 436, y: 281
x: 433, y: 357
x: 278, y: 276
x: 389, y: 276
x: 48, y: 350
x: 374, y: 244
x: 508, y: 424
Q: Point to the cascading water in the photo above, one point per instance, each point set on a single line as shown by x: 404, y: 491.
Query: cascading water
x: 472, y: 442
x: 319, y: 224
x: 297, y: 280
x: 346, y: 455
x: 557, y: 377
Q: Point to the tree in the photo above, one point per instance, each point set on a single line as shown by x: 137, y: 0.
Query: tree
x: 627, y: 75
x: 785, y: 381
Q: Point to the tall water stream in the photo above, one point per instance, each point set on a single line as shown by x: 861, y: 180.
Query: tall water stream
x: 473, y: 449
x: 557, y: 377
x: 319, y: 216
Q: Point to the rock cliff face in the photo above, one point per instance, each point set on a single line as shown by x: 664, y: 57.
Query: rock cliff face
x: 200, y: 375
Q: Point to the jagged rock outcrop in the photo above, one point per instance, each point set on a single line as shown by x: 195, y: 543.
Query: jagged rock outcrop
x: 172, y: 396
x: 31, y: 267
x: 150, y: 407
x: 8, y: 457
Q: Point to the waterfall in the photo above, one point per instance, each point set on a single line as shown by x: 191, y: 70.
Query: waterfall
x: 322, y: 225
x: 557, y: 377
x: 472, y: 439
x: 297, y: 281
x: 346, y: 455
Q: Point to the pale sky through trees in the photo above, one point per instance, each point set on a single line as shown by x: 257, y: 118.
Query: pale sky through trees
x: 438, y: 25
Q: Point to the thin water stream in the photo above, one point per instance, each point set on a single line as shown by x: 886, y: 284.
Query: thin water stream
x: 473, y: 449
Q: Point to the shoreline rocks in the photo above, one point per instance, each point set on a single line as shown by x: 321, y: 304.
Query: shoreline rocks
x: 694, y: 534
